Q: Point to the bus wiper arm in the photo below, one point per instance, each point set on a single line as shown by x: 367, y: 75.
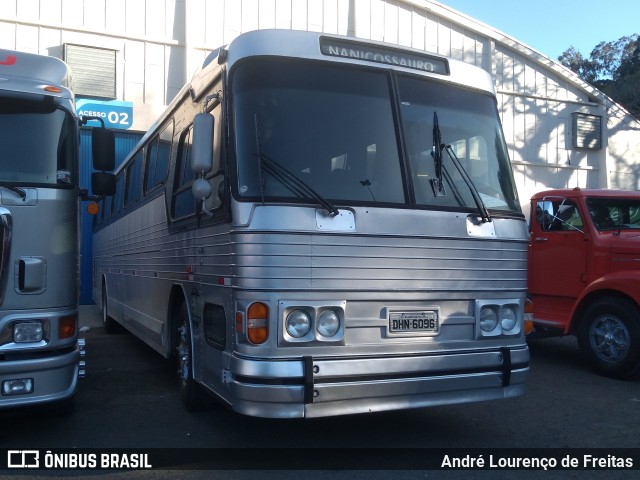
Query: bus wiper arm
x: 436, y: 183
x: 482, y: 208
x: 298, y: 186
x: 17, y: 190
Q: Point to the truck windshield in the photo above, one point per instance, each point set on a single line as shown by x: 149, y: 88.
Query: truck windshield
x: 37, y: 144
x: 336, y: 129
x: 614, y: 213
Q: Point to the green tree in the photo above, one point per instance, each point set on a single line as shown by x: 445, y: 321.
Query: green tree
x: 613, y: 68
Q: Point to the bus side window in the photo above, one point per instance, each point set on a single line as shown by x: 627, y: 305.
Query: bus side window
x: 184, y: 203
x: 217, y: 178
x: 108, y: 208
x: 134, y: 184
x: 118, y: 198
x: 158, y: 156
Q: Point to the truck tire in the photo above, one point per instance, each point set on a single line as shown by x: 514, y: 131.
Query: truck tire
x: 609, y: 337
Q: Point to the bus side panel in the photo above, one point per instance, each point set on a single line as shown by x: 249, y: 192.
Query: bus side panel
x: 133, y: 255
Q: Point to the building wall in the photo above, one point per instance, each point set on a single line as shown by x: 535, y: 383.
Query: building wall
x: 160, y: 43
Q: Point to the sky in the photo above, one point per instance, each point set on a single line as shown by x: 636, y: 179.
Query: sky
x: 552, y: 26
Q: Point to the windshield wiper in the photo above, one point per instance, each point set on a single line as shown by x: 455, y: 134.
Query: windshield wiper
x: 295, y: 184
x: 17, y: 190
x: 482, y: 208
x: 437, y: 183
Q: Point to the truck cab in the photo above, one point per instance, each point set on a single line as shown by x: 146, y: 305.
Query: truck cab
x: 584, y: 274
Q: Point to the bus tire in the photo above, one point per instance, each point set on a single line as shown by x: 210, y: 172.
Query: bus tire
x: 109, y: 324
x: 609, y: 337
x: 191, y: 394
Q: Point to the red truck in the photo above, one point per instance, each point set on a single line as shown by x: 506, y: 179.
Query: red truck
x: 584, y: 274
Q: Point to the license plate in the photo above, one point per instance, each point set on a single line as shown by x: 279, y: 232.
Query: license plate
x: 414, y: 322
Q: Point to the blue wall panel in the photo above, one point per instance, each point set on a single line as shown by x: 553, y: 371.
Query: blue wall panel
x: 125, y: 142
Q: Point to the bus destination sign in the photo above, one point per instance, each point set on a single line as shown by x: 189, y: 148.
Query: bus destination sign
x: 374, y: 53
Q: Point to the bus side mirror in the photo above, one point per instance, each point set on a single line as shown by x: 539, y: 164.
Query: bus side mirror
x: 103, y: 183
x: 202, y: 145
x: 203, y: 160
x: 103, y: 149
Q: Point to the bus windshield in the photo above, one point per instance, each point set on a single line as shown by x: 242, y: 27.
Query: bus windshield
x: 336, y: 129
x: 468, y: 127
x: 38, y: 143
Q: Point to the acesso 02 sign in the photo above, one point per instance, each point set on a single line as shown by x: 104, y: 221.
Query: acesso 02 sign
x: 115, y: 113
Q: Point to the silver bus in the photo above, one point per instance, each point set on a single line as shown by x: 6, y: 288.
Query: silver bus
x: 40, y: 354
x: 320, y: 225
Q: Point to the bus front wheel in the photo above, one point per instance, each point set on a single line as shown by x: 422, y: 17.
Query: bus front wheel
x: 190, y: 392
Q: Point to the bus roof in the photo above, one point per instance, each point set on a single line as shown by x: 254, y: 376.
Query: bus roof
x: 30, y: 73
x: 321, y: 46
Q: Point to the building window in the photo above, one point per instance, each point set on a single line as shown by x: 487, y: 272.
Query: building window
x: 94, y: 70
x: 587, y: 131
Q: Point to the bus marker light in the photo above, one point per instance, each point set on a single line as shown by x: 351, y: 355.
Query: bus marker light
x: 239, y: 321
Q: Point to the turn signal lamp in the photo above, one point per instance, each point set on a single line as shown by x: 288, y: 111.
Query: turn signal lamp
x: 67, y: 327
x: 257, y: 323
x: 93, y: 208
x: 528, y: 317
x: 52, y: 89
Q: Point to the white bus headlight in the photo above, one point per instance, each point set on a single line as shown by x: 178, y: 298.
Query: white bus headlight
x: 298, y: 324
x: 509, y: 318
x: 328, y: 323
x: 488, y: 319
x: 27, y: 332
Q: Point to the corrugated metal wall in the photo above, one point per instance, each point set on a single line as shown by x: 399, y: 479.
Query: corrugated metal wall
x: 125, y: 141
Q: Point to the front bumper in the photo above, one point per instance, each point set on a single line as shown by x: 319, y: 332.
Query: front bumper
x: 316, y: 387
x: 54, y: 376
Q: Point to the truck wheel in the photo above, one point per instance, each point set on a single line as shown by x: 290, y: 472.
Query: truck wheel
x: 191, y: 394
x: 109, y: 324
x: 609, y: 337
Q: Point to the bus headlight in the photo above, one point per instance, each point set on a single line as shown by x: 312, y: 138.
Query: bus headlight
x: 28, y: 332
x: 495, y: 318
x: 488, y: 319
x: 298, y: 323
x: 509, y: 318
x: 328, y: 323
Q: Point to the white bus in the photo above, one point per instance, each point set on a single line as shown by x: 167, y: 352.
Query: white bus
x: 40, y: 355
x: 319, y: 225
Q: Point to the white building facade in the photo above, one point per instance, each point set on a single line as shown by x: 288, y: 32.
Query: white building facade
x: 130, y: 57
